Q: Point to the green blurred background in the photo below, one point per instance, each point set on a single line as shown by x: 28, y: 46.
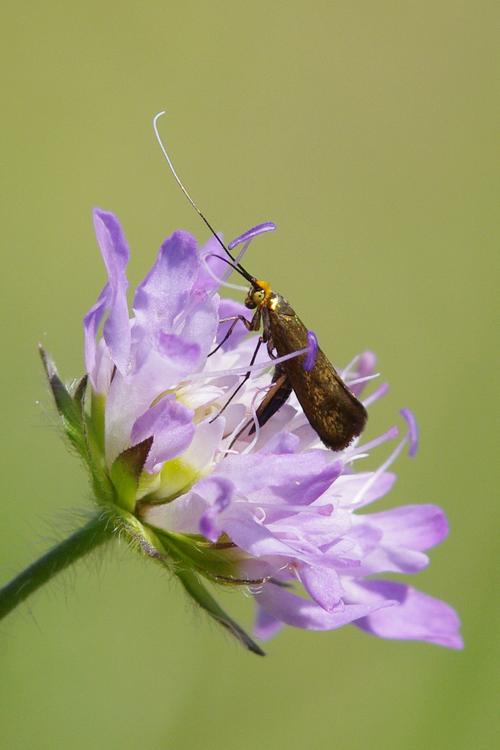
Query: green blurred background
x: 366, y: 131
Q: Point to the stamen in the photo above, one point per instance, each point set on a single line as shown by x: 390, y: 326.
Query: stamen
x: 391, y: 434
x: 242, y: 252
x: 312, y: 351
x: 355, y: 457
x: 243, y: 369
x: 232, y: 437
x: 347, y: 370
x: 376, y: 474
x: 216, y: 278
x: 326, y: 509
x: 267, y: 226
x: 381, y: 391
x: 412, y: 431
x: 227, y: 272
x: 365, y: 379
x: 255, y: 438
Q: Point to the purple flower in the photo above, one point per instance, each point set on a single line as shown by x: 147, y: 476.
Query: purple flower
x: 272, y: 510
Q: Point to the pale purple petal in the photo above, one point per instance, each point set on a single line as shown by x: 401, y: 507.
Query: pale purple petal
x: 205, y: 281
x: 304, y: 491
x: 91, y: 324
x: 129, y: 397
x: 200, y: 454
x: 181, y: 515
x: 200, y: 325
x: 115, y: 253
x: 417, y: 527
x: 387, y: 559
x: 218, y: 493
x: 266, y: 626
x: 104, y: 368
x: 322, y: 584
x: 349, y: 485
x: 417, y: 617
x: 255, y: 539
x: 165, y: 292
x: 380, y: 554
x: 294, y: 478
x: 283, y: 442
x: 178, y: 351
x: 171, y: 426
x: 303, y: 613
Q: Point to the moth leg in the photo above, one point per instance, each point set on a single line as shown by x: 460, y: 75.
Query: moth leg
x: 245, y: 426
x: 229, y: 331
x: 270, y: 349
x: 245, y: 378
x: 250, y: 325
x: 270, y: 404
x: 274, y: 399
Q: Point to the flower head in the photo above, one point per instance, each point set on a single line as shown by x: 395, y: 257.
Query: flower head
x: 200, y: 486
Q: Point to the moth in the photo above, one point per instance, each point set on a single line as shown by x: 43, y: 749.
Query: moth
x: 332, y: 410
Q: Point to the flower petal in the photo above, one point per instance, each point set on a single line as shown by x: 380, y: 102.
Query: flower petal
x: 171, y: 426
x: 181, y: 515
x: 418, y: 617
x: 266, y: 626
x: 165, y: 291
x: 91, y: 323
x: 255, y: 538
x: 348, y: 486
x: 218, y: 494
x: 200, y: 326
x: 288, y: 477
x: 322, y: 584
x: 115, y: 253
x: 180, y: 352
x: 416, y: 527
x: 205, y: 281
x: 281, y: 604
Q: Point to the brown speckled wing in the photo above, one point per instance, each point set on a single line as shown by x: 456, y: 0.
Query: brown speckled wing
x: 332, y: 410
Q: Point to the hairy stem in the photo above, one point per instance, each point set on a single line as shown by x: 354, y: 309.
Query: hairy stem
x: 77, y: 545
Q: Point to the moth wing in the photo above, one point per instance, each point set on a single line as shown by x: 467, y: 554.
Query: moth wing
x: 331, y: 409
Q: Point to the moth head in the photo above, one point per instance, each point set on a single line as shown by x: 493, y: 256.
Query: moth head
x: 258, y: 294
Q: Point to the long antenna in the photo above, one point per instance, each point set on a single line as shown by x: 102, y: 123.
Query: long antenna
x: 237, y: 266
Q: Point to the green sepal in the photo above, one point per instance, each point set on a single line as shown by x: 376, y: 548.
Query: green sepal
x: 70, y: 410
x: 78, y: 390
x: 78, y: 427
x: 98, y: 417
x: 95, y: 459
x: 196, y: 553
x: 199, y: 593
x: 126, y: 471
x: 140, y: 537
x: 187, y: 557
x: 146, y: 540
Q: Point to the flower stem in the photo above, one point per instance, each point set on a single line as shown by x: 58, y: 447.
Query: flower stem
x: 77, y: 545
